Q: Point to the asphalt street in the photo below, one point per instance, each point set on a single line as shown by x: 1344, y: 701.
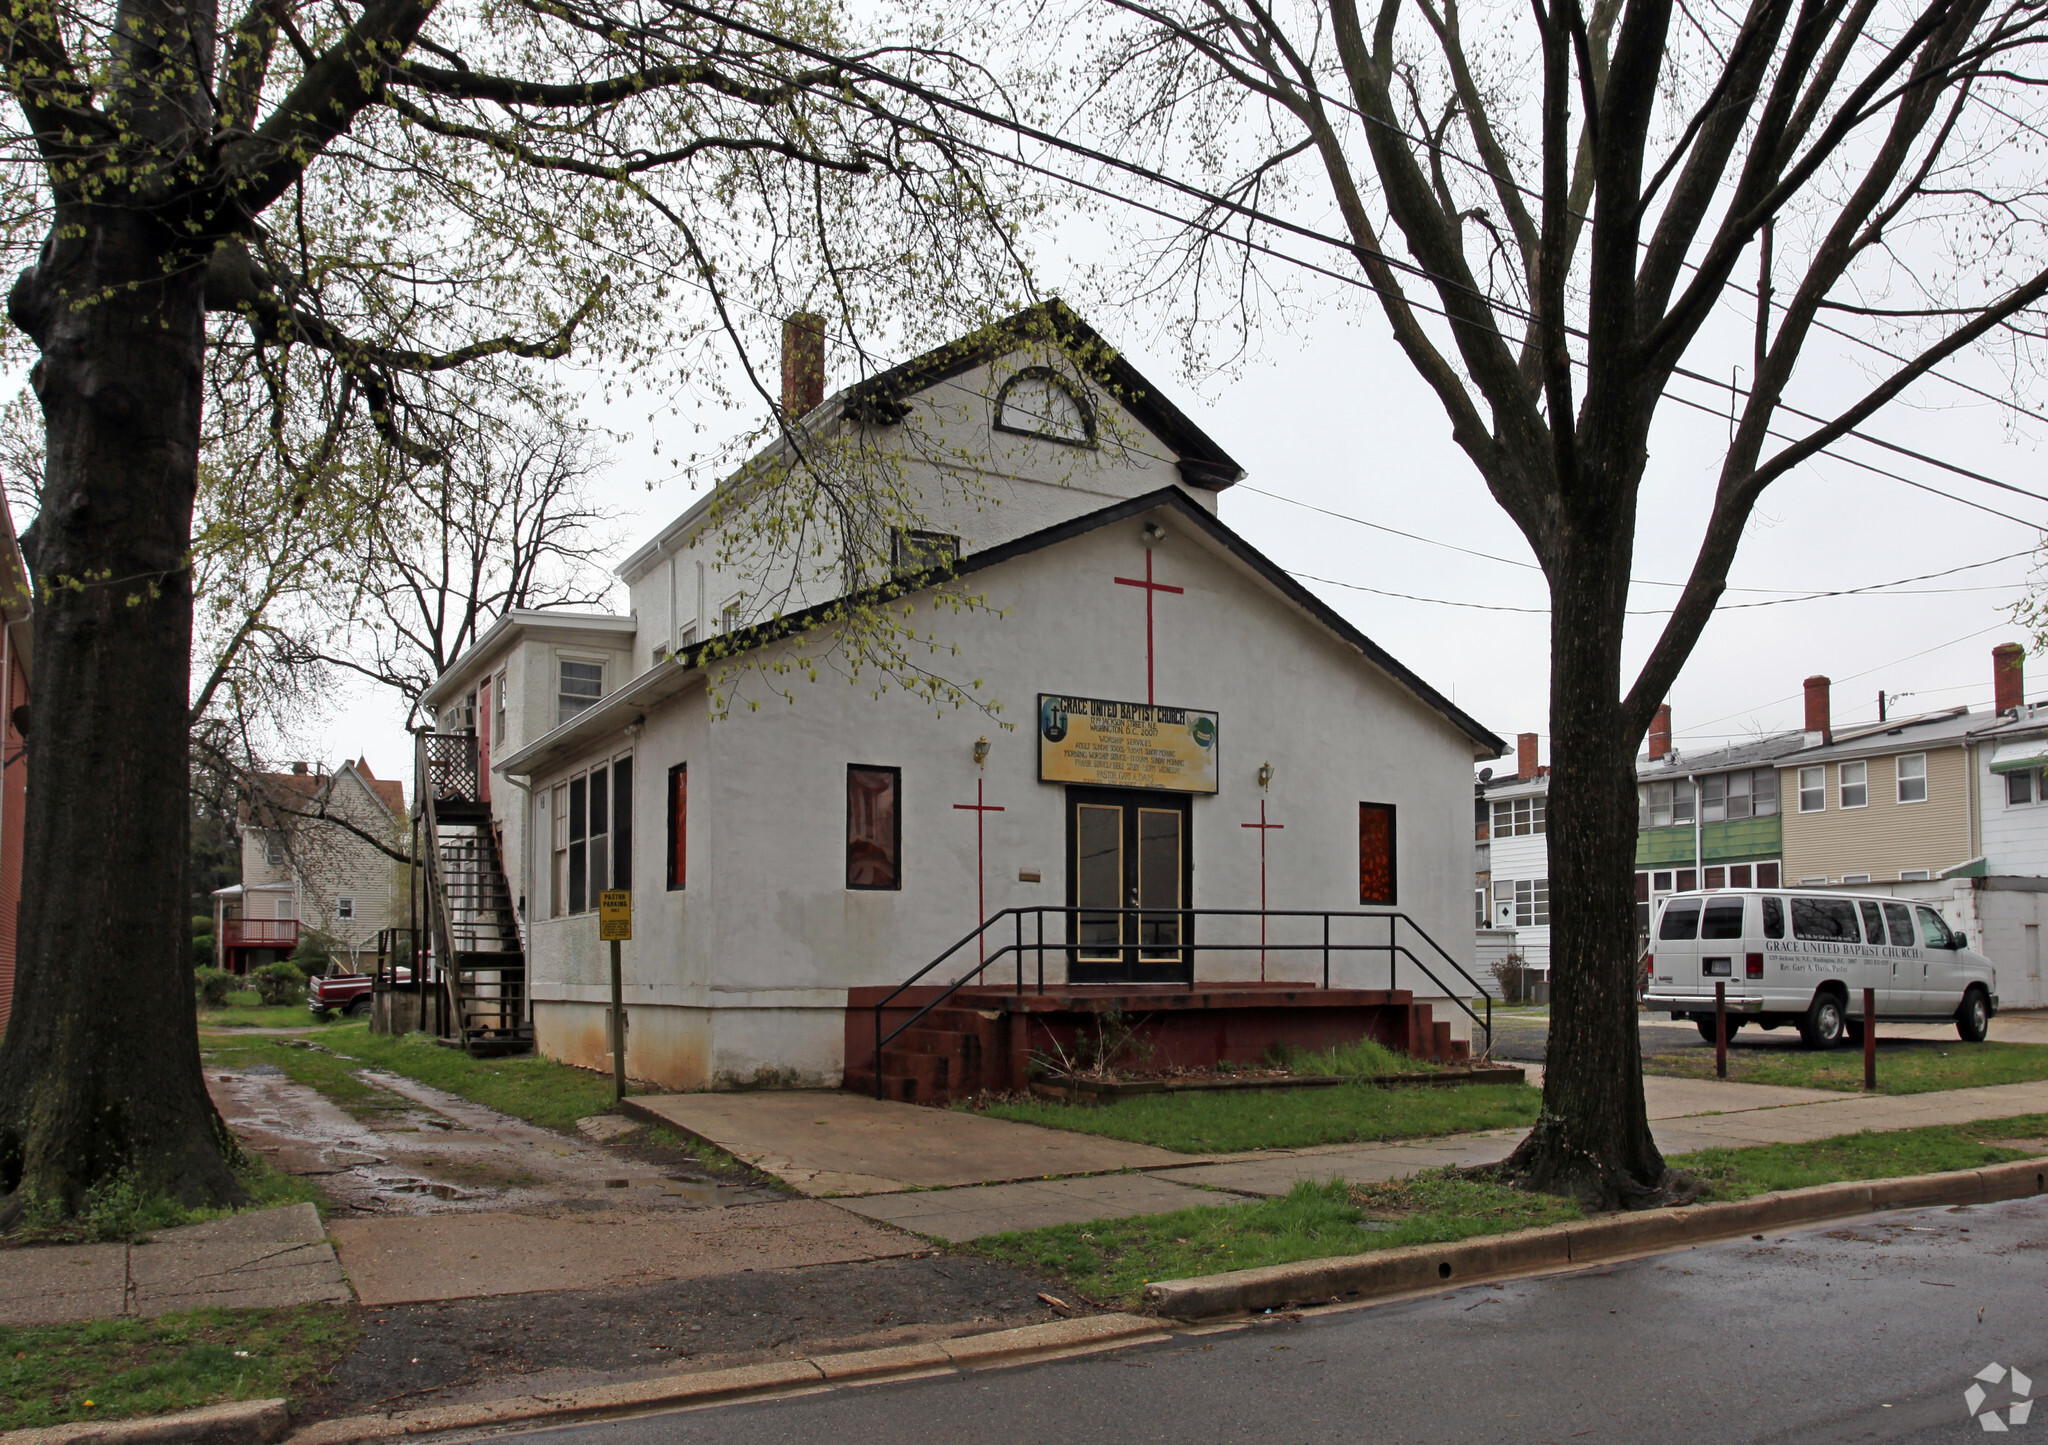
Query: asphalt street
x: 1521, y: 1037
x: 1868, y: 1331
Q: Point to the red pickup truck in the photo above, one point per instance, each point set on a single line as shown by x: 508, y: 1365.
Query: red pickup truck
x: 345, y: 993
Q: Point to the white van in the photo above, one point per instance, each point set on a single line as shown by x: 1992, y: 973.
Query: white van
x: 1805, y: 958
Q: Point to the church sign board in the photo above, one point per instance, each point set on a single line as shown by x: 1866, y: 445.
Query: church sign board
x: 1126, y: 744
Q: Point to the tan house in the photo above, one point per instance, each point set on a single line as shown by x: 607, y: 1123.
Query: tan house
x: 1886, y: 803
x: 308, y: 862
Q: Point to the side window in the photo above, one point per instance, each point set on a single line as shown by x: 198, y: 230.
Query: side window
x: 1532, y: 903
x: 1856, y: 785
x: 1933, y: 932
x: 1813, y: 790
x: 912, y: 551
x: 1774, y: 918
x: 1873, y: 922
x: 1899, y: 919
x: 678, y: 824
x: 874, y: 827
x: 344, y: 907
x: 1681, y: 919
x: 579, y: 843
x: 1913, y: 778
x: 1723, y: 918
x: 2019, y: 788
x: 622, y: 822
x: 558, y: 895
x: 498, y: 709
x: 580, y: 686
x: 1824, y: 920
x: 1376, y: 854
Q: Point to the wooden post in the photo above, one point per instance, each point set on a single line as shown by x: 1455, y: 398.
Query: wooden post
x: 1720, y: 1030
x: 1870, y: 1040
x: 618, y: 1027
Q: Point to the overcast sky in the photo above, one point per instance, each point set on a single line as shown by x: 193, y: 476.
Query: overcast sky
x: 1330, y: 416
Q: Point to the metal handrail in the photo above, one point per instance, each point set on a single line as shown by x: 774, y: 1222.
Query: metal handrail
x: 1017, y: 948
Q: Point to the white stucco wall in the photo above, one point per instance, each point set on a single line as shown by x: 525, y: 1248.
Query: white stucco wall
x: 754, y: 957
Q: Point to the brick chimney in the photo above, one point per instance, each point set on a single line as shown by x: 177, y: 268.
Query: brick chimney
x: 1660, y: 733
x: 1817, y: 708
x: 2008, y: 676
x: 299, y: 769
x: 803, y: 363
x: 1525, y: 757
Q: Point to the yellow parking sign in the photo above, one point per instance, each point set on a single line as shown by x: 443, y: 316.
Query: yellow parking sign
x: 615, y: 916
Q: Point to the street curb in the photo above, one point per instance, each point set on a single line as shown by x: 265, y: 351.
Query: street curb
x: 1421, y: 1268
x: 1000, y: 1347
x: 243, y: 1422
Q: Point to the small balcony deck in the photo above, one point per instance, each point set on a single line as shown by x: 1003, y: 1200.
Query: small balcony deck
x: 262, y: 933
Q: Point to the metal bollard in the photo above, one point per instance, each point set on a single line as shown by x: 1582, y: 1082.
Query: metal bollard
x: 1720, y: 1030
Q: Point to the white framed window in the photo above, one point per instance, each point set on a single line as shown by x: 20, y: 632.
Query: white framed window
x: 1915, y: 875
x: 1479, y: 918
x: 1665, y: 805
x: 1752, y: 793
x: 344, y: 907
x: 1813, y: 792
x: 1913, y: 777
x: 1855, y: 877
x: 273, y: 850
x: 287, y: 907
x: 1518, y: 817
x: 579, y: 685
x: 592, y: 835
x: 1856, y: 786
x: 1532, y: 902
x: 2022, y: 789
x: 729, y: 615
x: 1813, y: 882
x: 498, y: 709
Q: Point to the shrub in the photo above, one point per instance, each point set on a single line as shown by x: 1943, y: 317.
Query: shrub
x: 279, y: 983
x: 213, y: 985
x: 202, y: 950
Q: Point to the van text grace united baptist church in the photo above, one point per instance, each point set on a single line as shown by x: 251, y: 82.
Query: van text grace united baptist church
x: 1219, y: 807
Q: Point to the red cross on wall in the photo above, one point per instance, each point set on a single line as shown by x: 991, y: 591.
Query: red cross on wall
x: 981, y: 811
x: 1150, y: 587
x: 1264, y: 828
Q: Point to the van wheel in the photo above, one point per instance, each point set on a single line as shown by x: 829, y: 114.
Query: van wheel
x: 1706, y: 1026
x: 1973, y: 1019
x: 1825, y: 1025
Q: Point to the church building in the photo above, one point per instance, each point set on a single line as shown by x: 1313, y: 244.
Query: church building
x: 1025, y: 713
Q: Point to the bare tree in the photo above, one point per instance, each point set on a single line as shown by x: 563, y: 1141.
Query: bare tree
x: 505, y: 524
x: 1548, y: 204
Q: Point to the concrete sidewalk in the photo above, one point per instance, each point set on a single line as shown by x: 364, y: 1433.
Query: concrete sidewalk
x: 259, y: 1260
x: 1686, y: 1114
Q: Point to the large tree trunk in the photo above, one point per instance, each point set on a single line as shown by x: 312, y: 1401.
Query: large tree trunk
x: 99, y: 1072
x: 1592, y: 1139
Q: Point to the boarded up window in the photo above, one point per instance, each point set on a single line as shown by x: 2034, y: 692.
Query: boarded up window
x: 1376, y: 854
x: 678, y: 824
x: 874, y: 828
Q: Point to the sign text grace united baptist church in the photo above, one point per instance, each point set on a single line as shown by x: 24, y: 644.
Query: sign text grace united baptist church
x: 1127, y: 745
x: 843, y: 836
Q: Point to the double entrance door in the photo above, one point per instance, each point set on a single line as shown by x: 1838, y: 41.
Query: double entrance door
x: 1128, y: 850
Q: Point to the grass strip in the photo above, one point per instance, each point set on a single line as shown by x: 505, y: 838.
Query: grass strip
x: 110, y: 1369
x: 1227, y: 1122
x: 1904, y: 1066
x: 245, y: 1009
x: 1114, y: 1259
x: 1872, y: 1154
x: 532, y: 1088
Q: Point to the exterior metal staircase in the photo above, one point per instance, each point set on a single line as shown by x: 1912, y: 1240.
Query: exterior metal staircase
x: 478, y: 960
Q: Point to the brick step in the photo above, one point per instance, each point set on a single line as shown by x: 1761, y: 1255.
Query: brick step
x: 937, y: 1041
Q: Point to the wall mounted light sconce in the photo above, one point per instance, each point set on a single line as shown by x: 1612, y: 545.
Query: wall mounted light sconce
x: 980, y: 751
x: 1265, y: 776
x: 1154, y: 532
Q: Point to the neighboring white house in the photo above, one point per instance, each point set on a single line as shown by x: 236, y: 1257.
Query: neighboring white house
x: 1162, y: 689
x: 307, y: 864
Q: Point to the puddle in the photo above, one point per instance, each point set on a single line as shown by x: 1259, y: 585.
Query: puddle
x: 427, y: 1152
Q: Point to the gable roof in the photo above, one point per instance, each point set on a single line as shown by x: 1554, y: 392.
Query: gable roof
x: 880, y: 398
x: 666, y: 679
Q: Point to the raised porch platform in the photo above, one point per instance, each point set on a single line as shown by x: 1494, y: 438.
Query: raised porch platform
x: 984, y: 1037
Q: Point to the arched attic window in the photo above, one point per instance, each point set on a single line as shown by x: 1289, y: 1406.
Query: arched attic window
x: 1037, y: 402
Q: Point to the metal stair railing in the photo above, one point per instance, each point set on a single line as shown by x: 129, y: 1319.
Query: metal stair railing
x: 1017, y: 948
